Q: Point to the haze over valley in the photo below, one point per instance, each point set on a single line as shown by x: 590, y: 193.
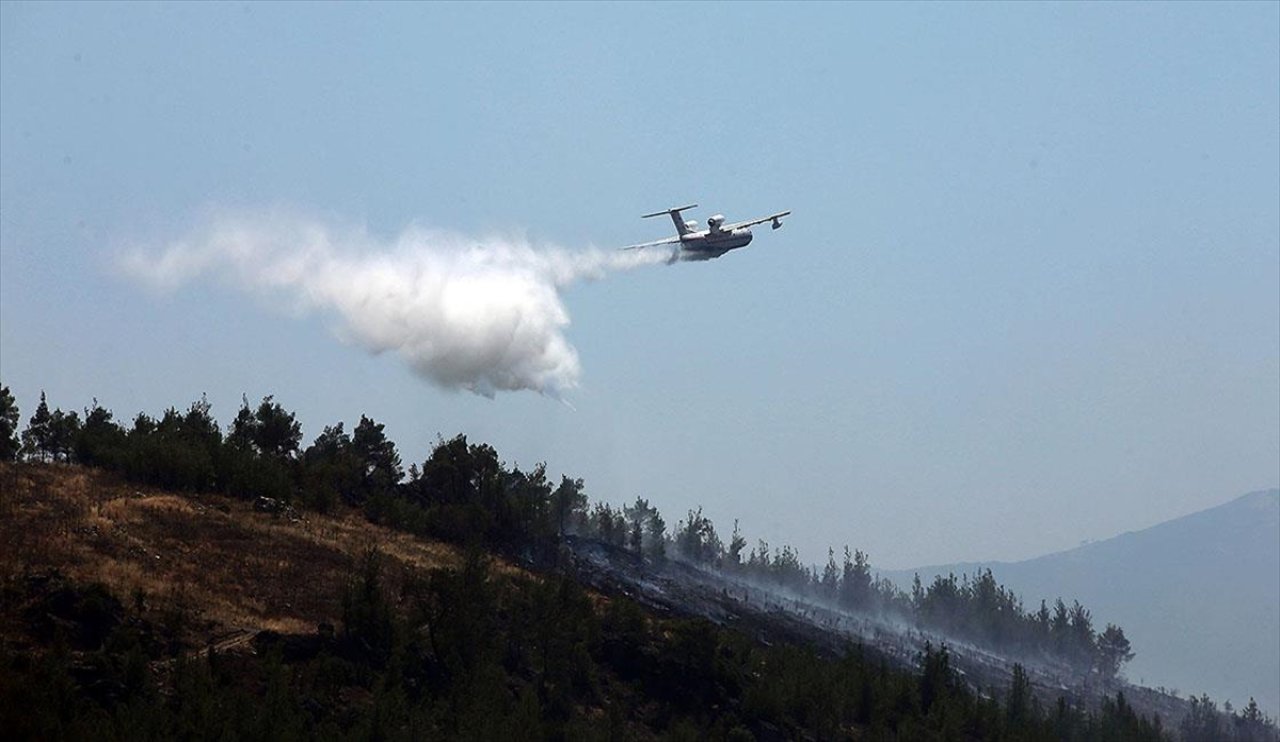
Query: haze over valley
x: 1202, y: 592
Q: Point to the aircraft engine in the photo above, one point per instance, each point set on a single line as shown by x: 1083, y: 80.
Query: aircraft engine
x: 715, y: 222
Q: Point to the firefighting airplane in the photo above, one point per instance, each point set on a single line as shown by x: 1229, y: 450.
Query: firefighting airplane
x: 704, y: 244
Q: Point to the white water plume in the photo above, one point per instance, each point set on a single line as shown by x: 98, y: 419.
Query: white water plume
x: 484, y: 315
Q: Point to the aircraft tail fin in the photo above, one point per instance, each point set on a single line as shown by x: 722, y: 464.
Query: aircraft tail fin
x: 675, y: 217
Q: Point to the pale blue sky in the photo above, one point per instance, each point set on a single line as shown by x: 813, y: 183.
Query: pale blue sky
x: 1029, y: 295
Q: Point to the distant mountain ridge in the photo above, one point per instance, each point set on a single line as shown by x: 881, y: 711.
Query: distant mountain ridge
x: 1199, y: 596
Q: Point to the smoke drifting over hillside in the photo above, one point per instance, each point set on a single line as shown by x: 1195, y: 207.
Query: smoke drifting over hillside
x: 484, y: 315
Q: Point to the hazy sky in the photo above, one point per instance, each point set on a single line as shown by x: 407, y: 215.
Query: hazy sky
x: 1030, y: 294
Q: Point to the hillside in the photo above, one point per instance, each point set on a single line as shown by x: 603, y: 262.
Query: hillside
x: 1200, y: 595
x: 133, y: 613
x: 233, y: 570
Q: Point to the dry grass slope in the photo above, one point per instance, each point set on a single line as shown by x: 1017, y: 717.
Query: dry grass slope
x: 232, y: 571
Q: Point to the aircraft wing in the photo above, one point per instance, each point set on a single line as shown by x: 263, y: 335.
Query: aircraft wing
x: 771, y: 218
x: 655, y: 243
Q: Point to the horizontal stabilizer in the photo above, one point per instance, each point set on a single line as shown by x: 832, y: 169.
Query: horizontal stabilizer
x: 676, y: 210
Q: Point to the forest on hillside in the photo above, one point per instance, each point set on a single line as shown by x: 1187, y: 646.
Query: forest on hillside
x: 469, y: 654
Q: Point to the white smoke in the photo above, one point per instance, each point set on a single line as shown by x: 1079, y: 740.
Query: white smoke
x: 477, y: 314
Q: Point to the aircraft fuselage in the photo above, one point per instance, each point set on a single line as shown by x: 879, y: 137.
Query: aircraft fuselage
x: 709, y: 245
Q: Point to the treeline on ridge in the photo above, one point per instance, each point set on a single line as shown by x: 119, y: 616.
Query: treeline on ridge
x: 463, y: 492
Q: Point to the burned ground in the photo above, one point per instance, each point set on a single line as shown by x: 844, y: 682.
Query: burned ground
x: 771, y: 615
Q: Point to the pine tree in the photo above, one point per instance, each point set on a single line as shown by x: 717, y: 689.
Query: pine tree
x: 379, y: 462
x: 1113, y: 651
x: 568, y: 504
x: 244, y: 428
x: 1082, y: 647
x: 657, y: 528
x: 637, y: 515
x: 855, y: 583
x: 278, y: 433
x: 101, y: 441
x: 64, y: 428
x: 330, y: 471
x: 1018, y: 700
x: 830, y: 576
x: 37, y: 437
x: 736, y: 544
x: 9, y: 444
